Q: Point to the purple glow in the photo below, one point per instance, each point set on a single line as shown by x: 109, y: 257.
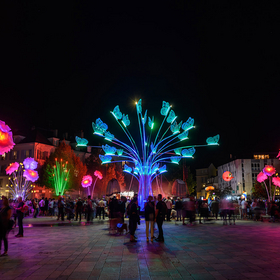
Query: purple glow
x: 6, y: 138
x: 269, y: 170
x: 31, y: 175
x: 30, y: 163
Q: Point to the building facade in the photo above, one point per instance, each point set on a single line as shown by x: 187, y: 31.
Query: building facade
x: 244, y: 172
x: 39, y: 146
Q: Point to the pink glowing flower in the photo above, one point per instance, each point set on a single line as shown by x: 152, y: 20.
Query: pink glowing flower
x: 278, y: 156
x: 98, y: 174
x: 31, y: 175
x: 12, y: 168
x: 276, y: 181
x: 269, y: 170
x: 261, y: 177
x: 30, y: 163
x: 6, y: 138
x: 86, y: 181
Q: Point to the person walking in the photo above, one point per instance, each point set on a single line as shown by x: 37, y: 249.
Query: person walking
x: 178, y: 208
x: 5, y: 215
x: 20, y: 210
x: 79, y: 208
x: 168, y: 203
x: 133, y: 219
x: 60, y: 206
x: 89, y: 209
x: 149, y: 217
x: 161, y: 210
x: 101, y: 208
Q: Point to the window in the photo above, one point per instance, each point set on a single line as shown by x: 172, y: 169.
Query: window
x: 15, y: 154
x: 3, y: 157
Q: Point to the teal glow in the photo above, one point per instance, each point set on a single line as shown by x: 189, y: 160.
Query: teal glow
x: 139, y: 106
x: 109, y: 150
x: 119, y: 152
x: 183, y: 135
x: 155, y: 168
x: 177, y: 151
x: 144, y: 119
x: 127, y: 169
x: 81, y: 142
x: 175, y: 128
x: 125, y: 120
x: 172, y: 117
x: 162, y: 169
x: 175, y: 159
x: 109, y: 136
x: 117, y: 113
x: 213, y: 140
x: 99, y: 127
x: 188, y: 124
x: 165, y: 108
x: 151, y: 122
x: 105, y: 159
x: 188, y: 153
x: 153, y: 148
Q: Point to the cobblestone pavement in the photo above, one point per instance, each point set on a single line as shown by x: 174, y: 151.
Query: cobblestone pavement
x: 248, y: 250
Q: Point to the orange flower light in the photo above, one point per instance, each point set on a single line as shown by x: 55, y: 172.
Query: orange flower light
x: 227, y: 176
x: 210, y: 188
x: 269, y: 170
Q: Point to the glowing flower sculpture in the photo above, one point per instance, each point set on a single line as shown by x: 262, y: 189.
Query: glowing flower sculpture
x: 99, y: 176
x: 6, y: 138
x: 276, y: 181
x: 31, y: 175
x: 30, y: 163
x: 20, y: 182
x: 261, y: 177
x: 269, y: 170
x: 12, y: 168
x: 156, y: 147
x: 60, y: 174
x: 86, y: 182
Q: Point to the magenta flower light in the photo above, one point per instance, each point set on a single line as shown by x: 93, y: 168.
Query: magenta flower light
x: 98, y: 174
x: 12, y: 168
x: 276, y: 181
x: 6, y: 138
x: 31, y: 175
x: 261, y: 177
x: 269, y: 170
x: 30, y: 163
x: 86, y: 181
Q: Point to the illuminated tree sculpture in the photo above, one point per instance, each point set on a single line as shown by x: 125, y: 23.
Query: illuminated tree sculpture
x: 60, y: 175
x: 146, y: 162
x: 23, y: 175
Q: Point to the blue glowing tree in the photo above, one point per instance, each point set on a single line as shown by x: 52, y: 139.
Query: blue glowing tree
x: 146, y: 162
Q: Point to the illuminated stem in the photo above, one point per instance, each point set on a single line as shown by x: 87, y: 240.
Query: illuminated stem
x: 162, y: 124
x: 267, y: 191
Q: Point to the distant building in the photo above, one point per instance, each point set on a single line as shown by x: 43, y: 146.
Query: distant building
x: 204, y: 178
x: 38, y: 144
x: 244, y: 172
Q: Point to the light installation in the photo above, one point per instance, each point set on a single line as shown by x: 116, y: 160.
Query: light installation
x: 6, y: 138
x: 99, y: 176
x: 22, y: 177
x: 227, y: 176
x: 60, y: 175
x: 86, y: 182
x: 267, y: 173
x: 146, y: 161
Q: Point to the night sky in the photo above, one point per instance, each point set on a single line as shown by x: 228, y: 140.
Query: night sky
x: 66, y: 64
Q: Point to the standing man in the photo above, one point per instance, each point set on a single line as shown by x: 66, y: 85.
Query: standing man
x: 101, y: 208
x: 89, y: 209
x: 161, y: 210
x: 19, y: 210
x: 79, y: 208
x: 168, y: 203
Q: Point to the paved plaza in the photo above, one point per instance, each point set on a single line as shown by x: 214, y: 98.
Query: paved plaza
x: 248, y: 250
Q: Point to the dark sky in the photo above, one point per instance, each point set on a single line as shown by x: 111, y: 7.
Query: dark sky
x: 66, y: 64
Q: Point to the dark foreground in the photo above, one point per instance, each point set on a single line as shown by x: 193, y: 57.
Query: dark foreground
x: 248, y: 250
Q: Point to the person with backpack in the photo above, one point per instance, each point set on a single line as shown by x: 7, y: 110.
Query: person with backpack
x: 161, y: 210
x: 149, y: 217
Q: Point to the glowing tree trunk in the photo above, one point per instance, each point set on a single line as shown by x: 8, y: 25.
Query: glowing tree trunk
x: 146, y: 162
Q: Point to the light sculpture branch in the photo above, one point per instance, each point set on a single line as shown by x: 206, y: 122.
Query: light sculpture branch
x: 22, y: 177
x: 61, y: 175
x: 147, y: 159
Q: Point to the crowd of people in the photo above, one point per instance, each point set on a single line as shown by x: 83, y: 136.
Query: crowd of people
x: 156, y: 211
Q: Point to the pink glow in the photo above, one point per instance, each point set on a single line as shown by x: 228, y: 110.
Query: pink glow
x: 30, y: 163
x: 12, y: 167
x: 31, y: 175
x: 269, y: 170
x: 98, y: 174
x: 227, y: 176
x: 278, y: 156
x: 86, y: 181
x: 6, y: 138
x: 276, y: 181
x: 261, y: 177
